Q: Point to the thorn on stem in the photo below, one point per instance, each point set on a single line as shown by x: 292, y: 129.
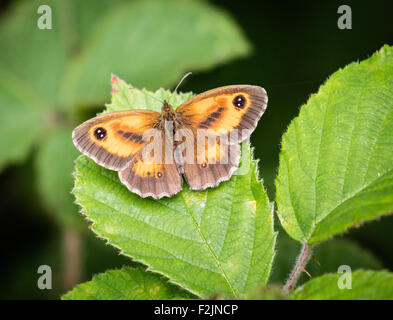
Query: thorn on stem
x: 316, y: 261
x: 307, y: 273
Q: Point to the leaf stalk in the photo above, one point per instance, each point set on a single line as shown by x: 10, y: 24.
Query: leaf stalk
x: 299, y: 267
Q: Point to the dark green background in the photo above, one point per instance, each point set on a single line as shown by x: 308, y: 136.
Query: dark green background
x: 296, y: 46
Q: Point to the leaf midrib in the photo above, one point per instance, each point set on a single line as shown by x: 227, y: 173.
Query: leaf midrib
x: 314, y: 220
x: 365, y: 185
x: 210, y: 249
x: 357, y: 192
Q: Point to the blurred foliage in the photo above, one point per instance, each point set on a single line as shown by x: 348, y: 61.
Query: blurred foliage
x: 54, y: 162
x: 44, y: 75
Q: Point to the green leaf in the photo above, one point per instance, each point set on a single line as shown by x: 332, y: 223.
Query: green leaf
x: 270, y: 292
x: 336, y: 167
x: 22, y: 122
x: 127, y: 284
x: 217, y: 240
x: 46, y: 52
x: 152, y: 43
x: 54, y: 163
x: 366, y: 285
x: 36, y: 57
x: 127, y: 97
x: 87, y: 16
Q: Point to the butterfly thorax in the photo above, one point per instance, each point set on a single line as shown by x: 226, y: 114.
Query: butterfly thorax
x: 168, y: 114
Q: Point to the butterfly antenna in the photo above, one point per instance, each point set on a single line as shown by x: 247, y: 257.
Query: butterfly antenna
x: 147, y: 93
x: 180, y: 82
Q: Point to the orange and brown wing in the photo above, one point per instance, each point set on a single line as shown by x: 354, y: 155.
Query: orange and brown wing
x: 205, y: 159
x: 224, y: 109
x: 112, y: 139
x: 219, y: 112
x: 200, y: 176
x: 153, y: 177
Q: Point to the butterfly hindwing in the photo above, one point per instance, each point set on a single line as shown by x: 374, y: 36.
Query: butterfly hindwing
x: 214, y: 160
x: 208, y: 175
x: 157, y: 176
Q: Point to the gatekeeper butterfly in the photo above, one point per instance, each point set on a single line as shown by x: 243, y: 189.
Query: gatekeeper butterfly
x: 199, y: 140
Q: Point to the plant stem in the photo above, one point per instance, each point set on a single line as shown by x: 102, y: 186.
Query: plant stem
x: 301, y: 262
x: 71, y: 258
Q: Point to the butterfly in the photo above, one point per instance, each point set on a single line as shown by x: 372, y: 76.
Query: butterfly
x: 199, y: 140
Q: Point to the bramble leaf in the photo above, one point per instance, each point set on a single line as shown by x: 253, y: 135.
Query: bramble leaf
x: 217, y: 240
x: 263, y: 292
x: 127, y: 284
x: 365, y: 285
x: 336, y: 167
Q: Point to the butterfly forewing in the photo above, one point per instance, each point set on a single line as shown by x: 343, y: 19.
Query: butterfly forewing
x: 112, y: 139
x: 225, y: 109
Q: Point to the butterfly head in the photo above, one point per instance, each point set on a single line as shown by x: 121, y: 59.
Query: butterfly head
x: 167, y: 112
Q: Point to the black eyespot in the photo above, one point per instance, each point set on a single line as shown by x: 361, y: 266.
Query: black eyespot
x: 239, y: 101
x: 100, y: 133
x: 159, y: 174
x: 204, y: 165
